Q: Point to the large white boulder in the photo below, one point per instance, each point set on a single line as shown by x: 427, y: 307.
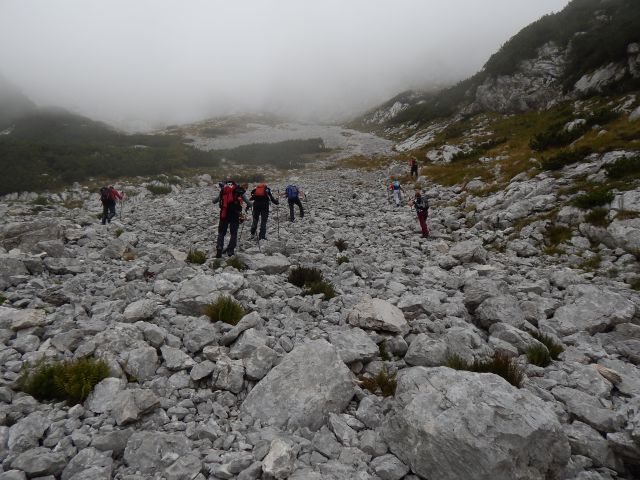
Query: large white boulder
x: 310, y: 382
x: 377, y: 314
x: 450, y: 424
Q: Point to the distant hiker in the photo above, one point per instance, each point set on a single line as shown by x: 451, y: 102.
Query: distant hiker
x: 292, y: 192
x: 261, y: 196
x: 398, y: 192
x: 421, y: 204
x: 108, y: 197
x: 229, y: 198
x: 413, y: 164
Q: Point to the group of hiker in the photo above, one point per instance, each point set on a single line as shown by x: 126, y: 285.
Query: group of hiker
x: 232, y: 198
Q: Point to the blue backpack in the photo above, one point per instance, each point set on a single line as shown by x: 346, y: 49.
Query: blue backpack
x: 292, y: 192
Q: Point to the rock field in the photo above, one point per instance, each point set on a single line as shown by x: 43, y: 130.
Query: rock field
x: 279, y: 395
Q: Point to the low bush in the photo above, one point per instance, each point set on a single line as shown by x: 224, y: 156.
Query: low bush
x: 2, y: 299
x: 159, y: 189
x: 382, y: 384
x: 72, y: 381
x: 554, y: 348
x: 301, y: 276
x: 602, y: 116
x: 237, y: 263
x: 40, y: 200
x: 636, y: 286
x: 595, y: 198
x: 556, y: 136
x: 624, y: 168
x: 341, y: 245
x: 118, y: 232
x: 224, y: 309
x: 196, y: 256
x: 342, y: 259
x: 598, y: 217
x: 557, y: 234
x: 500, y: 364
x: 538, y: 355
x: 382, y: 351
x: 591, y: 264
x: 215, y: 264
x: 479, y: 149
x: 322, y: 287
x: 564, y: 158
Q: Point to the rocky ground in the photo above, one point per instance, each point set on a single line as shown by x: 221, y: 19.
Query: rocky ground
x: 279, y: 395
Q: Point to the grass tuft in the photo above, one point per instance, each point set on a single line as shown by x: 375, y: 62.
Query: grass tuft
x: 382, y: 384
x: 237, y: 263
x: 159, y: 189
x: 2, y: 299
x: 119, y: 232
x: 196, y: 256
x: 624, y: 168
x: 557, y: 234
x: 341, y: 244
x: 224, y: 309
x: 72, y: 381
x: 342, y: 259
x: 564, y: 158
x: 301, y: 276
x: 555, y: 349
x: 634, y: 286
x: 322, y: 287
x: 598, y: 217
x: 538, y: 355
x: 500, y: 364
x: 129, y: 255
x: 595, y: 198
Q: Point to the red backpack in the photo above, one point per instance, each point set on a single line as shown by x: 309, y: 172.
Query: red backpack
x: 230, y: 200
x: 261, y: 190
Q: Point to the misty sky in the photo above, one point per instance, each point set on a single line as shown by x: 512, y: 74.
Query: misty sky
x: 180, y: 60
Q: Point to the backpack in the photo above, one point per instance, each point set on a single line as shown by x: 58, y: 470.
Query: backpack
x: 292, y: 192
x: 422, y: 204
x: 105, y: 194
x: 396, y: 185
x: 261, y: 191
x: 230, y: 200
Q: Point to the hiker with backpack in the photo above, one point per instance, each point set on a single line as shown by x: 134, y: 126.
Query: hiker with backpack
x: 108, y: 197
x: 413, y: 165
x: 230, y: 199
x: 261, y: 196
x: 398, y: 192
x: 421, y: 204
x: 292, y: 192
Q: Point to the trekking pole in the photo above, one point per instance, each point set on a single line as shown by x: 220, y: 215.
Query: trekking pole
x: 278, y: 215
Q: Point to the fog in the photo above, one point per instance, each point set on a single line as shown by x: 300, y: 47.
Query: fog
x: 151, y: 62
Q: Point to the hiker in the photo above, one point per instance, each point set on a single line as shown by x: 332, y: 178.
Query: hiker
x: 413, y: 165
x: 261, y: 196
x: 292, y: 192
x: 421, y: 204
x: 229, y: 198
x: 108, y: 197
x: 398, y: 192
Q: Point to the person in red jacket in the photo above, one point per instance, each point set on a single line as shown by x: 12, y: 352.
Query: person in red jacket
x: 108, y: 197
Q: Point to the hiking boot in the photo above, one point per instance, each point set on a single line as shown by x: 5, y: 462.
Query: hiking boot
x: 218, y: 253
x: 230, y: 253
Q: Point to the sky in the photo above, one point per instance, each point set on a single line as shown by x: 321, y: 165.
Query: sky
x: 153, y: 62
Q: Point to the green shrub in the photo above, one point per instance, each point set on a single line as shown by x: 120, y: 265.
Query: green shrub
x: 341, y: 245
x: 479, y: 149
x: 321, y: 287
x: 556, y: 136
x: 2, y: 299
x: 565, y: 157
x: 301, y: 276
x: 215, y: 264
x: 602, y: 116
x: 634, y: 286
x: 596, y: 198
x: 382, y: 384
x: 598, y: 217
x: 40, y: 200
x: 538, y: 355
x: 342, y: 259
x: 119, y: 232
x: 384, y: 355
x: 592, y: 263
x: 500, y: 364
x: 224, y: 309
x: 624, y: 168
x: 159, y: 189
x: 555, y: 349
x: 196, y: 256
x: 237, y: 263
x: 72, y: 381
x: 557, y: 234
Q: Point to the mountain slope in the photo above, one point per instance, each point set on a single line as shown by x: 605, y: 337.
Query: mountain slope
x: 13, y: 104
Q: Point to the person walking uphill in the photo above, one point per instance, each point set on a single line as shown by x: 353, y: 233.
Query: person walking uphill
x: 413, y: 165
x: 108, y: 197
x: 421, y: 204
x: 398, y: 192
x: 261, y: 196
x: 292, y: 192
x: 229, y: 198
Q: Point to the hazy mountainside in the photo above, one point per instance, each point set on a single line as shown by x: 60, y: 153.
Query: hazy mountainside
x: 589, y: 47
x: 13, y: 104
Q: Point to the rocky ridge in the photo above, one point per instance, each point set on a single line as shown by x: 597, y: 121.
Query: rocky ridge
x: 279, y: 395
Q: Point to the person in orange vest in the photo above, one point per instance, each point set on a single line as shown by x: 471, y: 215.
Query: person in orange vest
x: 261, y: 196
x: 108, y: 197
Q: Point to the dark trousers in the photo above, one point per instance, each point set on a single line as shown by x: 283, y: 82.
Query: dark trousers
x: 262, y: 214
x: 422, y: 218
x: 108, y: 211
x: 292, y: 202
x: 414, y: 170
x: 232, y: 224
